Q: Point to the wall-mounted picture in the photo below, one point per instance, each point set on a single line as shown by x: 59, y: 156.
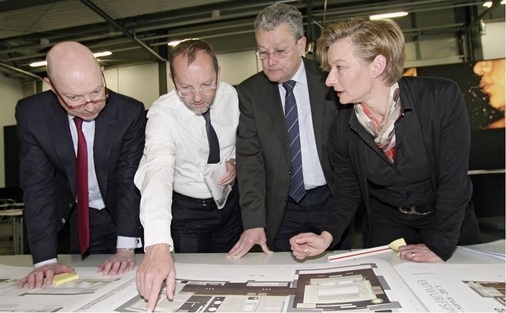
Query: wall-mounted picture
x: 482, y: 84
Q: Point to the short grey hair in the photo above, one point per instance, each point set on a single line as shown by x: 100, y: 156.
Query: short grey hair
x: 274, y: 15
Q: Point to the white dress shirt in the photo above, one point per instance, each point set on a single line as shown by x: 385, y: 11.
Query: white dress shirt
x: 311, y: 167
x: 175, y: 156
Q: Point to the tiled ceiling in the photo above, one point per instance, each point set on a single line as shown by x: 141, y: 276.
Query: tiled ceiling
x: 137, y: 31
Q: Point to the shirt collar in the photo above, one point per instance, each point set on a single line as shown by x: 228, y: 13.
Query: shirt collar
x: 299, y: 76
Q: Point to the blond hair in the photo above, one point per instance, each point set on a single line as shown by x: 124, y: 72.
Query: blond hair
x: 369, y: 38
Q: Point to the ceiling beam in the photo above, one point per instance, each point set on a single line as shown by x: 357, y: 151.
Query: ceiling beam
x: 6, y: 6
x: 18, y: 70
x: 125, y: 31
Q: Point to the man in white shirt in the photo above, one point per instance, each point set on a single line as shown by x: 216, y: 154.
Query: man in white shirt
x: 178, y: 210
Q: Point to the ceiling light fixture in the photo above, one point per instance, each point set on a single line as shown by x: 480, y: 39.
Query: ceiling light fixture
x: 175, y: 42
x: 96, y: 55
x: 38, y: 64
x: 488, y: 4
x: 387, y: 15
x: 102, y: 54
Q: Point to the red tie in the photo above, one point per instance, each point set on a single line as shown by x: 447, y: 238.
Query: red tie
x: 82, y: 188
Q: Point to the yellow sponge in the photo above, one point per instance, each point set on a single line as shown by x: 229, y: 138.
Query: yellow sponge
x: 394, y: 245
x: 63, y: 278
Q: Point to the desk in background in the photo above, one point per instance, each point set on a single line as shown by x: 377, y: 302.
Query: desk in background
x: 14, y: 212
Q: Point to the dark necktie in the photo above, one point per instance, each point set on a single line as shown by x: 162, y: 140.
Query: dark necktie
x: 214, y: 144
x: 82, y: 188
x: 297, y: 190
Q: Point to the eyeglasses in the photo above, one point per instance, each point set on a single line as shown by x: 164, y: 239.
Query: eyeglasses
x: 78, y: 102
x: 280, y: 54
x: 204, y: 90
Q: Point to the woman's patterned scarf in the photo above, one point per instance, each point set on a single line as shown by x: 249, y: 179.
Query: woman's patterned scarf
x: 382, y: 131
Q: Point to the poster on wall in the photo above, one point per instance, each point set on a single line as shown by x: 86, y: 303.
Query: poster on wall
x: 482, y: 85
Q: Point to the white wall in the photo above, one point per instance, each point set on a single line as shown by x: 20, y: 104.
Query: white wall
x: 236, y: 67
x: 139, y: 82
x: 493, y: 41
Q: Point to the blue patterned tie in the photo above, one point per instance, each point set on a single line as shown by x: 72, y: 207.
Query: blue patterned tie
x: 297, y: 190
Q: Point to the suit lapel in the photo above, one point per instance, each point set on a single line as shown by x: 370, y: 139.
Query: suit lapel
x: 105, y: 130
x: 317, y: 90
x: 273, y: 105
x: 59, y: 130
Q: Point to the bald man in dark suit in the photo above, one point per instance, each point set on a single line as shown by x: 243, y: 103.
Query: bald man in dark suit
x: 113, y: 125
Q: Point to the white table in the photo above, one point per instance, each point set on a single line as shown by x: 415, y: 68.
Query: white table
x: 461, y: 256
x: 200, y: 269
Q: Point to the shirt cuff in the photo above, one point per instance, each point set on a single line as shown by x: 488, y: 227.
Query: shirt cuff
x: 50, y: 261
x: 128, y: 243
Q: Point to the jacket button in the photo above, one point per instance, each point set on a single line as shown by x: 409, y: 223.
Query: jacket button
x: 63, y: 220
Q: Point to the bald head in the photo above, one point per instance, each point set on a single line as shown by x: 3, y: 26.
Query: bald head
x: 76, y: 78
x: 67, y: 59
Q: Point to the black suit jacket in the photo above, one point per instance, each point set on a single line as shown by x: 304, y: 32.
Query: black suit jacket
x: 441, y: 112
x: 48, y: 166
x: 263, y: 152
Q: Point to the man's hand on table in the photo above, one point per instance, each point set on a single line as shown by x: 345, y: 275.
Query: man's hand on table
x: 249, y: 238
x: 156, y: 266
x: 43, y: 275
x: 123, y: 261
x: 310, y: 244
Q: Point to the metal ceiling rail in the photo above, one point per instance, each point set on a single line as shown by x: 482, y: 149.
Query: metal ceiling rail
x: 15, y: 69
x: 412, y: 7
x: 126, y: 32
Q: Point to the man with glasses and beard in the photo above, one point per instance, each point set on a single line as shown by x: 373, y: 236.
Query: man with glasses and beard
x: 80, y: 145
x: 179, y: 211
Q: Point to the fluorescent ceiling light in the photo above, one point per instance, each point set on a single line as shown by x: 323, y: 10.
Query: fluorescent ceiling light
x: 488, y: 4
x: 38, y: 64
x: 175, y: 42
x: 387, y: 15
x: 102, y: 54
x: 96, y: 55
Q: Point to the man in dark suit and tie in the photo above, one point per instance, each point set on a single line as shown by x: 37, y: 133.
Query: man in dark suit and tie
x: 79, y: 116
x: 283, y: 170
